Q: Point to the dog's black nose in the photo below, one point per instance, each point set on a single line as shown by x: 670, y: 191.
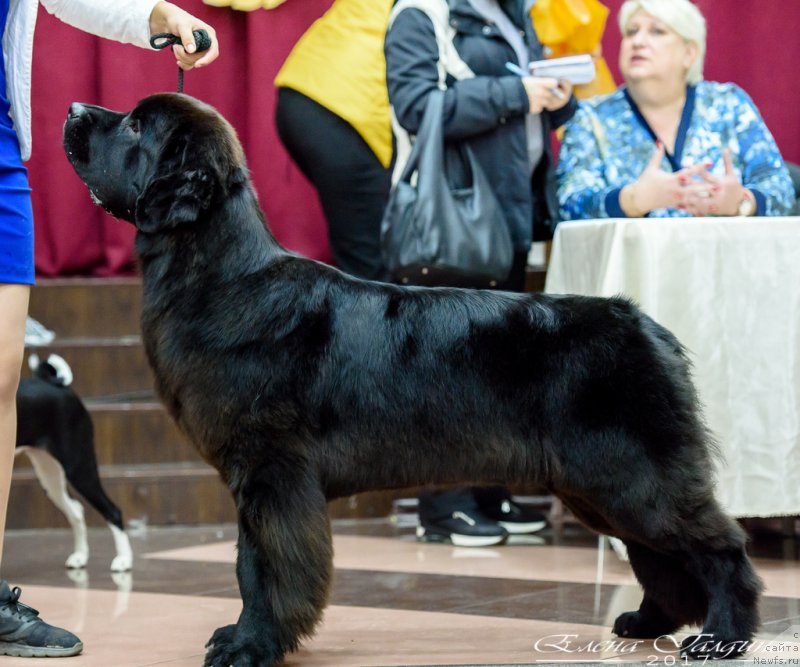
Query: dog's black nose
x: 77, y: 110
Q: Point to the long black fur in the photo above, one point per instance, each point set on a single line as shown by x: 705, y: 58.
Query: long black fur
x: 301, y: 384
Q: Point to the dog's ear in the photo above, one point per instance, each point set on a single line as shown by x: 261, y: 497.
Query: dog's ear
x: 174, y: 199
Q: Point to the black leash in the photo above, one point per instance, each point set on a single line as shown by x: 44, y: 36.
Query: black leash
x: 164, y: 39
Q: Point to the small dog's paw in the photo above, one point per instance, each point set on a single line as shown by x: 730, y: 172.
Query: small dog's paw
x: 77, y: 560
x: 122, y: 563
x: 708, y: 646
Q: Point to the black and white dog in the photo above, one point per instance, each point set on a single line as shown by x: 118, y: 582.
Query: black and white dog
x: 55, y: 430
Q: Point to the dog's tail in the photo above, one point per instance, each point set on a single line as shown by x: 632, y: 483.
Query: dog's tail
x: 55, y: 370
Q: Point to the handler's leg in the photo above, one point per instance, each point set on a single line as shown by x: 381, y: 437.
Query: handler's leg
x: 14, y: 308
x: 22, y: 632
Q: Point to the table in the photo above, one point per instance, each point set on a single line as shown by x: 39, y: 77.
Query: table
x: 729, y: 289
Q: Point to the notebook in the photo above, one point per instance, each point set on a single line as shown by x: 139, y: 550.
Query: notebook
x: 575, y: 69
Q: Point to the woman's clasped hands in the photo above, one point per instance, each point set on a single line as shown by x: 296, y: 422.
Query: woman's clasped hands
x: 692, y: 189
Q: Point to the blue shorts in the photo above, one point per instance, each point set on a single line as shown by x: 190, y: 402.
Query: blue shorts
x: 16, y: 213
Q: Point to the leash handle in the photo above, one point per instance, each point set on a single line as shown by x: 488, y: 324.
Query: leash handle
x: 162, y: 40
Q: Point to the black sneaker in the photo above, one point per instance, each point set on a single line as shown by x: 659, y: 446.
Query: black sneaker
x: 464, y: 528
x: 24, y: 634
x: 517, y: 520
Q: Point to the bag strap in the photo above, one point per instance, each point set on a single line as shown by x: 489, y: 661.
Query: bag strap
x: 438, y: 11
x: 429, y: 143
x: 449, y: 63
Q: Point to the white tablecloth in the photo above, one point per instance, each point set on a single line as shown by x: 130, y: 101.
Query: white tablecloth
x: 730, y: 290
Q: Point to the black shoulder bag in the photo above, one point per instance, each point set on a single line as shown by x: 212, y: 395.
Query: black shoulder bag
x: 443, y: 224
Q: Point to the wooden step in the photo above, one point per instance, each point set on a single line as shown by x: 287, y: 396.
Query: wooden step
x: 131, y: 433
x: 88, y: 307
x: 103, y: 366
x: 166, y: 494
x: 535, y: 276
x: 135, y: 432
x: 162, y: 494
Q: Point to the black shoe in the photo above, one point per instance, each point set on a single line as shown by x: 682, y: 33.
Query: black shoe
x: 24, y: 634
x: 464, y: 528
x: 517, y: 520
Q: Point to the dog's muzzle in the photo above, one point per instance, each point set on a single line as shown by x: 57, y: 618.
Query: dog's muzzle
x: 76, y: 140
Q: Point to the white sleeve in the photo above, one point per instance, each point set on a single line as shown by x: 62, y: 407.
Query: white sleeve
x: 126, y: 21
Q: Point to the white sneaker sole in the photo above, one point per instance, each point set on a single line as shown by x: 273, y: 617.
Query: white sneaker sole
x: 463, y: 540
x: 522, y: 528
x: 25, y: 651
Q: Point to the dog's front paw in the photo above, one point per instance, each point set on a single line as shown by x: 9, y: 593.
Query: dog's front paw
x: 225, y: 650
x: 222, y: 636
x: 77, y: 560
x: 708, y: 646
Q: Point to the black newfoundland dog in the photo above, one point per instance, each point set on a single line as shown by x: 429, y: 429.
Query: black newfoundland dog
x: 301, y: 384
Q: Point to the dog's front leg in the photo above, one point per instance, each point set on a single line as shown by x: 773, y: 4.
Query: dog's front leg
x: 284, y: 567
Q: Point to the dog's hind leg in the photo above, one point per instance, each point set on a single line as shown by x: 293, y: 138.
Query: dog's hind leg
x: 53, y: 480
x: 717, y: 558
x: 693, y: 568
x: 284, y: 568
x: 85, y: 479
x: 123, y: 561
x: 672, y: 597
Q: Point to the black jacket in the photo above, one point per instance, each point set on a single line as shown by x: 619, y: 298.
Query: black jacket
x: 488, y: 110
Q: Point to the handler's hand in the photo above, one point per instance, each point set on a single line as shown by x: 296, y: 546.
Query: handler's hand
x: 540, y: 93
x: 566, y: 92
x: 170, y: 18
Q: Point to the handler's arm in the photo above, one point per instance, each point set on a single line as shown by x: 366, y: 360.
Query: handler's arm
x: 472, y: 106
x: 134, y: 21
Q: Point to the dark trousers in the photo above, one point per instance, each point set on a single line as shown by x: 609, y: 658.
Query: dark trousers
x: 436, y: 505
x: 352, y: 185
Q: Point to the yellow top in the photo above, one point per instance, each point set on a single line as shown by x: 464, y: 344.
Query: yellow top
x: 567, y: 27
x: 339, y: 63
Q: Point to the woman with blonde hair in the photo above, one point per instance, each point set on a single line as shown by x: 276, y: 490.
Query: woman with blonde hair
x: 667, y: 143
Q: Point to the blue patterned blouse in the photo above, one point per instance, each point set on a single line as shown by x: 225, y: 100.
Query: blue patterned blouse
x: 607, y: 144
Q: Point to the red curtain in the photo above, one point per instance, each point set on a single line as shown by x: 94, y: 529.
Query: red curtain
x: 75, y: 237
x: 751, y: 42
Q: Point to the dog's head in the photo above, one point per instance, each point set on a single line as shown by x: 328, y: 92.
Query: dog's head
x: 159, y: 166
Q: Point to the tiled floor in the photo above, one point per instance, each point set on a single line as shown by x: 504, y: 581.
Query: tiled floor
x: 549, y: 598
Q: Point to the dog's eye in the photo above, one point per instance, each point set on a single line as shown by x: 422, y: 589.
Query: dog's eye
x: 132, y: 125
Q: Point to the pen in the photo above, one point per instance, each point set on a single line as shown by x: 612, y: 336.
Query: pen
x: 516, y: 69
